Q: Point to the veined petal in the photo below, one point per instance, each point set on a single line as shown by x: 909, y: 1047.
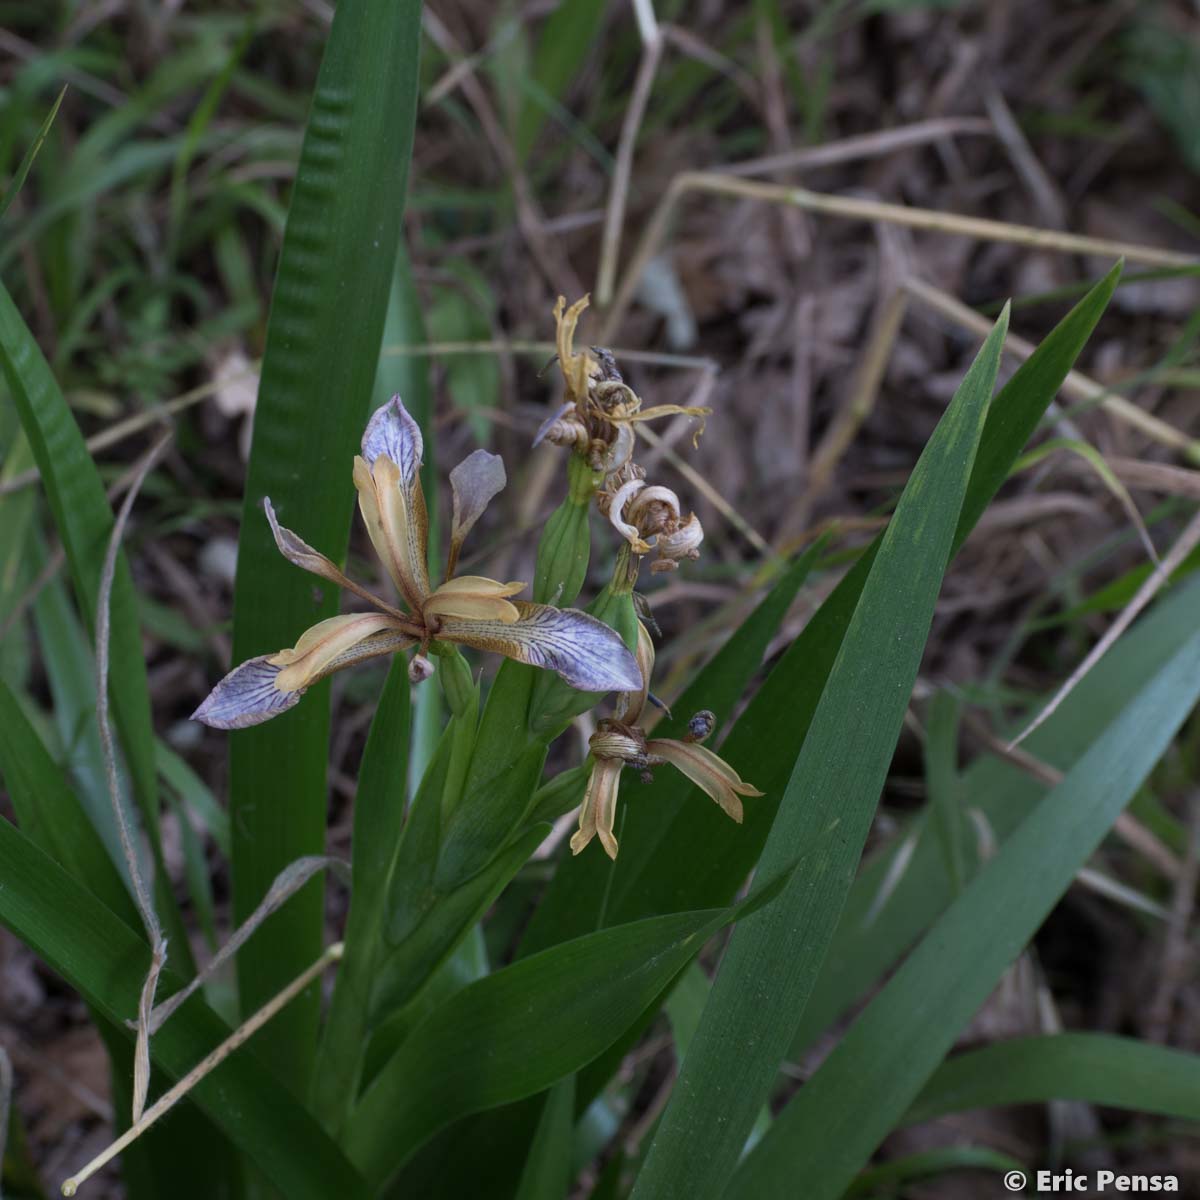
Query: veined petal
x: 246, y: 696
x: 706, y: 770
x: 395, y: 514
x: 397, y: 524
x: 597, y: 814
x: 392, y: 432
x: 584, y: 651
x: 474, y: 482
x: 478, y: 585
x: 322, y: 648
x: 471, y: 607
x: 299, y: 553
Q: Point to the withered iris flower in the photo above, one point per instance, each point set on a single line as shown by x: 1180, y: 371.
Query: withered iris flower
x: 469, y: 610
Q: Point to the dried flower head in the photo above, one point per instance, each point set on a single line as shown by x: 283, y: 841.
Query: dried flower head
x: 600, y: 410
x: 639, y: 512
x: 467, y: 610
x: 621, y: 742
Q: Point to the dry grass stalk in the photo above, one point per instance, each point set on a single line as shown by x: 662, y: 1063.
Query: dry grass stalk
x: 857, y: 208
x: 1076, y: 385
x: 158, y: 944
x: 1186, y: 542
x: 209, y: 1063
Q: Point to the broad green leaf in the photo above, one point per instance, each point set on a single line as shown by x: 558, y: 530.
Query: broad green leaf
x: 323, y: 340
x: 524, y: 1028
x: 379, y: 804
x: 1095, y: 1068
x: 943, y: 785
x: 547, y: 1173
x: 864, y: 1087
x: 106, y: 962
x: 50, y: 814
x: 85, y: 522
x: 865, y: 950
x: 826, y: 812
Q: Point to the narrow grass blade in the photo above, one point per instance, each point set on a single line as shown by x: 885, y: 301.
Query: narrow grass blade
x: 863, y: 1089
x: 19, y: 176
x: 1095, y: 1068
x: 826, y: 812
x: 84, y: 522
x: 566, y: 38
x: 106, y: 962
x: 323, y: 343
x: 524, y: 1028
x: 883, y: 1180
x: 1003, y: 796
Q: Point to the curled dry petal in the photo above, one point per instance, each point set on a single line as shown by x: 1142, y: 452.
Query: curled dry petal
x: 584, y: 651
x: 299, y: 553
x: 548, y: 424
x: 597, y: 814
x: 576, y: 367
x: 683, y: 543
x: 616, y: 515
x: 706, y: 770
x: 473, y: 482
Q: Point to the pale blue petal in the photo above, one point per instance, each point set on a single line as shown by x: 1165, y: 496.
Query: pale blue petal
x: 246, y: 696
x: 393, y: 432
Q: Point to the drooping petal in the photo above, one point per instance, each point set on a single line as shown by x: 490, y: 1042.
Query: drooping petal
x: 298, y: 552
x: 246, y: 696
x: 392, y: 432
x: 706, y: 770
x: 322, y: 648
x: 597, y: 814
x: 584, y: 651
x: 474, y: 482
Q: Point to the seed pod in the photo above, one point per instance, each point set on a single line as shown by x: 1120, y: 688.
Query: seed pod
x: 458, y: 685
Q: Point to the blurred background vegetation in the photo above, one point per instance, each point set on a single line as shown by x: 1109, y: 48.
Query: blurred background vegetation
x: 142, y: 246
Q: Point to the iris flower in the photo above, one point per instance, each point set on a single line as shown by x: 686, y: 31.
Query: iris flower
x: 468, y: 610
x: 620, y: 742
